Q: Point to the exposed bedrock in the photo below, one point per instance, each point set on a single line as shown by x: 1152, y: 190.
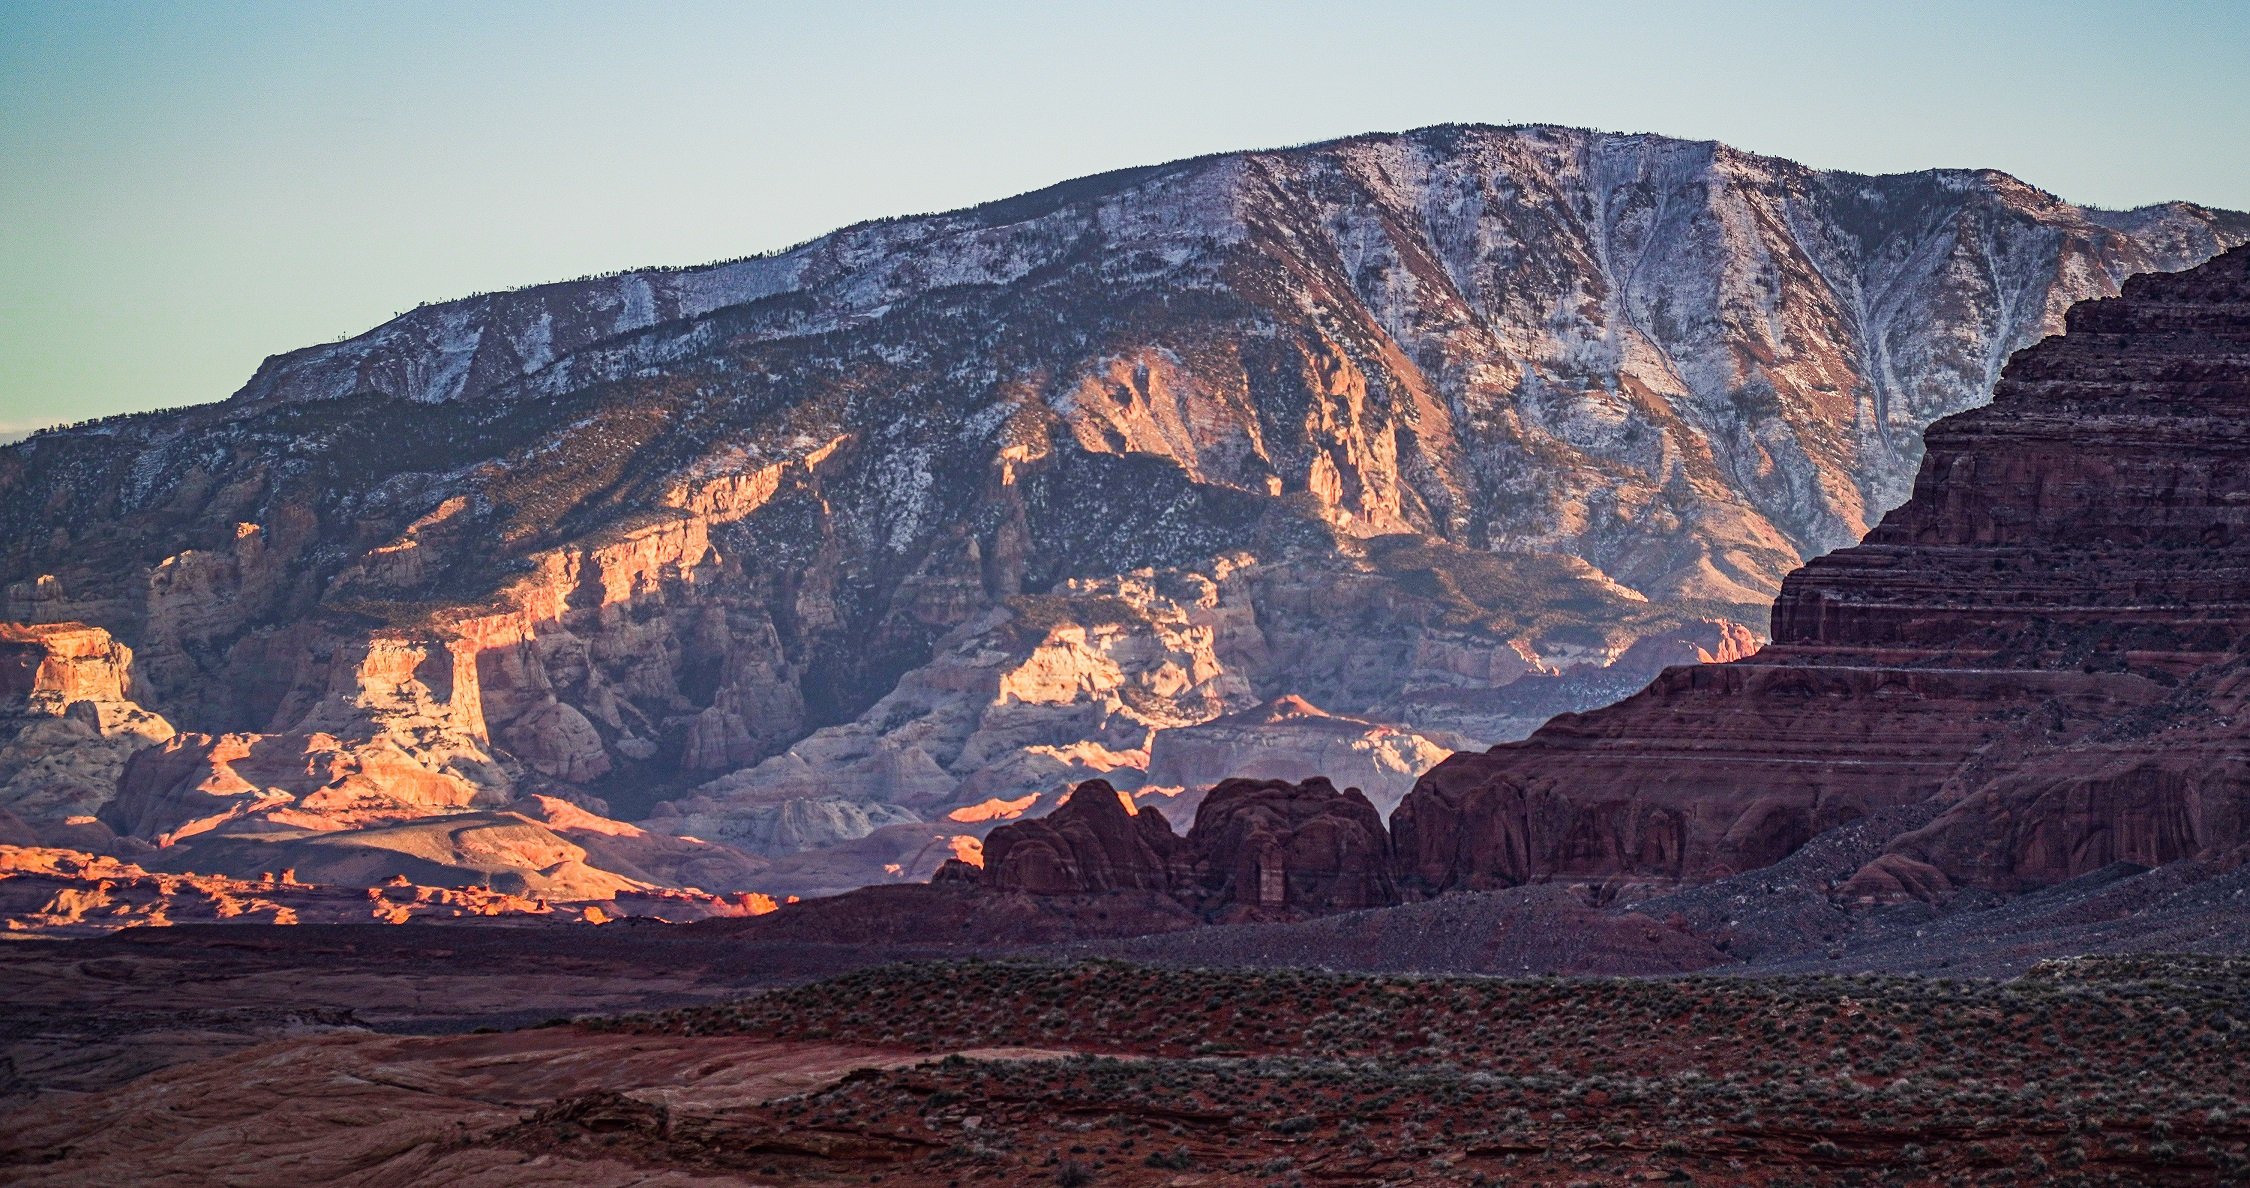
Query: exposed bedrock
x: 1446, y: 431
x: 1091, y: 842
x: 1290, y: 739
x: 68, y: 727
x: 2047, y: 638
x: 1261, y: 846
x: 1258, y: 849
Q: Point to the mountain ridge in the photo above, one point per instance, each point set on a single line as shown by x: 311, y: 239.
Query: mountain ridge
x: 1450, y: 430
x: 1045, y: 198
x: 1049, y: 199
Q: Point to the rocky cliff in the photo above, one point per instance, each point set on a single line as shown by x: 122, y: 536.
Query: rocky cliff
x: 68, y: 723
x: 1445, y: 431
x: 2046, y: 643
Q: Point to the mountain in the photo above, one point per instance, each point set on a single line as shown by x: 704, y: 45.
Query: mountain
x: 2044, y: 650
x: 823, y: 564
x: 2010, y: 724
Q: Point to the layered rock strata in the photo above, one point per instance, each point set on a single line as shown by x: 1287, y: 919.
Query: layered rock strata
x: 1290, y: 739
x: 90, y: 778
x: 2047, y: 640
x: 1448, y: 431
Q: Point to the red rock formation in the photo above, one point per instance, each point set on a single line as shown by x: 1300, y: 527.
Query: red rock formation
x: 2147, y: 789
x: 2048, y: 636
x: 1258, y: 846
x: 1717, y: 769
x: 1896, y: 878
x: 1273, y: 845
x: 1092, y: 842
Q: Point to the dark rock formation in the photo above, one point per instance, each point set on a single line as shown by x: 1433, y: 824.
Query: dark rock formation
x: 1895, y: 878
x: 1092, y: 842
x: 1259, y: 847
x: 2047, y: 638
x: 1718, y: 769
x: 1305, y: 847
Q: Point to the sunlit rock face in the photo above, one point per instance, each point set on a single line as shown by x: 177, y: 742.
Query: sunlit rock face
x: 111, y: 819
x: 68, y: 725
x: 2047, y: 639
x: 1447, y: 432
x: 52, y: 892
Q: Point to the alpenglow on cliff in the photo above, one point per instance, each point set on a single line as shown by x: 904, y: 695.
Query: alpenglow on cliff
x: 833, y: 559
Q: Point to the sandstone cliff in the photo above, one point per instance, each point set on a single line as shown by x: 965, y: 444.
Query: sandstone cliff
x: 2046, y: 641
x: 1447, y: 431
x: 68, y: 726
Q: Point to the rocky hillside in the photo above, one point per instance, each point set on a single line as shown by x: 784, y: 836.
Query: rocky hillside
x: 2033, y: 672
x: 2043, y: 650
x: 878, y: 541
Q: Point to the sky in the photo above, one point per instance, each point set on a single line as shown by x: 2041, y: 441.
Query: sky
x: 185, y: 189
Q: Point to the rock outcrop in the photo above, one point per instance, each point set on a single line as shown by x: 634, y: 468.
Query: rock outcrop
x: 1448, y: 431
x: 52, y: 892
x: 125, y: 816
x: 2047, y: 640
x: 1259, y: 848
x: 68, y: 725
x: 1092, y: 842
x: 1274, y: 846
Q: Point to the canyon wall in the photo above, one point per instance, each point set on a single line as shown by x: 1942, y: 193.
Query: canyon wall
x: 2046, y: 641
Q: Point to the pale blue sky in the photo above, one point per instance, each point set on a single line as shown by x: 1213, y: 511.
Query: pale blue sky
x: 187, y: 188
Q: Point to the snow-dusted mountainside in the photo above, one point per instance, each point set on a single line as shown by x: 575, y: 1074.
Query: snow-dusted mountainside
x: 880, y: 540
